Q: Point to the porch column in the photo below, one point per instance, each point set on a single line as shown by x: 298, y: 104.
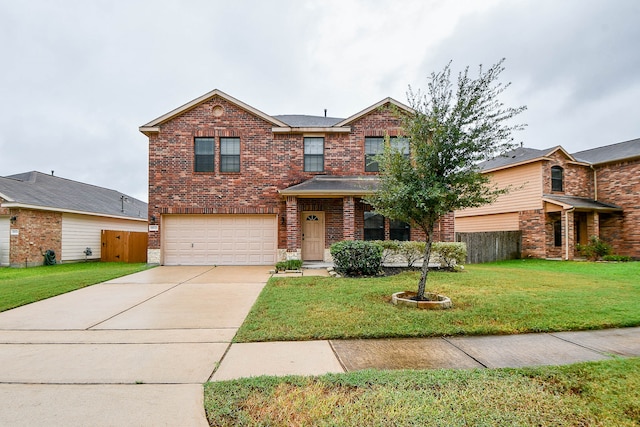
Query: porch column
x: 293, y: 225
x: 349, y: 218
x: 568, y: 227
x: 593, y: 225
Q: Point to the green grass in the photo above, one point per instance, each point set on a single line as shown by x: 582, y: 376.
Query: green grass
x: 20, y: 286
x: 587, y: 394
x: 498, y: 298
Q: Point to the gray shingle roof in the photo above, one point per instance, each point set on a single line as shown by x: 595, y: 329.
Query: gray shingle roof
x: 583, y: 203
x: 520, y: 154
x: 302, y: 121
x: 46, y: 191
x: 332, y: 184
x: 609, y: 153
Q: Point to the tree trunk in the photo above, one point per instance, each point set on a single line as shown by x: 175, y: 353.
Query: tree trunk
x: 425, y: 263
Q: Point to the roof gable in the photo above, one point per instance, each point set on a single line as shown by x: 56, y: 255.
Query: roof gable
x: 373, y: 107
x: 153, y: 126
x: 36, y: 190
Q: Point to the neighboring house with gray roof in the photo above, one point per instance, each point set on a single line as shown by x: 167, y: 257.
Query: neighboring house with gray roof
x: 39, y: 212
x: 558, y: 199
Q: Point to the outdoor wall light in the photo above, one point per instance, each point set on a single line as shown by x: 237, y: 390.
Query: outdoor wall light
x: 153, y: 219
x: 13, y: 219
x: 282, y: 221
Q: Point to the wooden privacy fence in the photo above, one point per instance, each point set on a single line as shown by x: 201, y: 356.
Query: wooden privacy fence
x: 491, y: 246
x: 124, y: 246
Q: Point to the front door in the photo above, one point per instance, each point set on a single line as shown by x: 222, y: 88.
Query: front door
x: 313, y: 236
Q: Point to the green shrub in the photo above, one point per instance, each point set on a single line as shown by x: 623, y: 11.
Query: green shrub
x: 449, y: 254
x: 357, y: 258
x: 412, y: 251
x: 390, y: 248
x: 290, y: 264
x: 619, y: 258
x: 595, y: 249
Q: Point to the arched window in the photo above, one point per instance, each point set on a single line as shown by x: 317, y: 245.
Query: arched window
x: 557, y: 178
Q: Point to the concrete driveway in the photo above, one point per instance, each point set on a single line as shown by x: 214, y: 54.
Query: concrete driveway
x: 133, y: 351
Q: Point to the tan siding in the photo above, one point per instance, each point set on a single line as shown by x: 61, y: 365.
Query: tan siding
x: 525, y: 194
x: 4, y: 240
x: 498, y: 222
x: 83, y: 231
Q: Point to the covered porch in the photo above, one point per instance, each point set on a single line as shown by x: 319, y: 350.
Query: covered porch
x: 570, y: 221
x: 323, y: 210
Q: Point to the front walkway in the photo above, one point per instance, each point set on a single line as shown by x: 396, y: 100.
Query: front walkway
x: 133, y: 351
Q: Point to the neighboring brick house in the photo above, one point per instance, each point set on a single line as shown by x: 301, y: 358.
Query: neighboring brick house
x: 39, y: 212
x: 559, y: 199
x: 229, y: 184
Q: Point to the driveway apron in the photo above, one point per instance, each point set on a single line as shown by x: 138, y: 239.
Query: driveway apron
x: 131, y: 351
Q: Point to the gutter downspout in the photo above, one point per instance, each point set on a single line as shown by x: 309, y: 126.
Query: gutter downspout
x: 566, y: 232
x: 595, y: 183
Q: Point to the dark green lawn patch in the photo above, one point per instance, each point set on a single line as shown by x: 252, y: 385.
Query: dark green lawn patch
x: 588, y: 394
x: 499, y: 298
x: 20, y: 286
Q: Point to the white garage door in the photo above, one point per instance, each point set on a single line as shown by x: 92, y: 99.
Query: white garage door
x: 4, y: 240
x: 219, y: 239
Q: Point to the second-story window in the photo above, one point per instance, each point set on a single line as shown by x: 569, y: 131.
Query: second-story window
x: 400, y: 144
x: 373, y: 146
x: 229, y: 154
x: 557, y: 178
x: 204, y: 154
x: 313, y: 154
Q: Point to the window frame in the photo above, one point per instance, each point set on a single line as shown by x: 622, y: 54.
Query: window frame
x: 557, y: 182
x: 394, y: 229
x: 204, y: 162
x: 309, y: 157
x: 370, y: 165
x: 224, y: 158
x: 373, y: 233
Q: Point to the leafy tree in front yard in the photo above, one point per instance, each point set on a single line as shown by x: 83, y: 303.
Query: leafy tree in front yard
x: 450, y: 130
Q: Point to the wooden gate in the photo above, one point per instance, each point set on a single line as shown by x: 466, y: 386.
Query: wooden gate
x: 491, y: 246
x: 124, y: 246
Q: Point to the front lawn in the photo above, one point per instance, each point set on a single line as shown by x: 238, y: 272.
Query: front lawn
x: 587, y: 394
x: 20, y: 286
x: 497, y: 298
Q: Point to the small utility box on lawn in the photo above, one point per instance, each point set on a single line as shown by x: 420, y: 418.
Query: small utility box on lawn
x: 124, y: 246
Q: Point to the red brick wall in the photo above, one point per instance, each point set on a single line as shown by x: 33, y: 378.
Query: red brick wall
x: 38, y: 232
x: 532, y: 225
x: 269, y: 162
x: 619, y: 183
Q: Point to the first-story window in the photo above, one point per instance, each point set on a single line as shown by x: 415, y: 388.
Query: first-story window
x: 313, y: 154
x: 204, y: 154
x: 373, y: 226
x: 399, y: 230
x: 229, y: 154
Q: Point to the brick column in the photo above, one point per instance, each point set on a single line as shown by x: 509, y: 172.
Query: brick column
x: 593, y: 225
x: 348, y: 219
x: 293, y: 224
x: 568, y: 235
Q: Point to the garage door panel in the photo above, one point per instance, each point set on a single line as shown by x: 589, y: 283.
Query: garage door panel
x: 219, y: 239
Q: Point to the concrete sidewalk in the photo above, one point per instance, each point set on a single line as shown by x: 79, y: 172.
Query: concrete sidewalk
x: 319, y: 357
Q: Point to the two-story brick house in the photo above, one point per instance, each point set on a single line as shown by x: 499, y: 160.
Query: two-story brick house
x: 229, y: 184
x: 559, y: 199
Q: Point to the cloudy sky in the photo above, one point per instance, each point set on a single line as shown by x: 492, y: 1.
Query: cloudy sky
x: 79, y: 77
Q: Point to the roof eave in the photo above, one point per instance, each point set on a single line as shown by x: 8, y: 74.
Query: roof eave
x: 71, y: 211
x: 152, y: 125
x: 325, y: 193
x: 378, y: 104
